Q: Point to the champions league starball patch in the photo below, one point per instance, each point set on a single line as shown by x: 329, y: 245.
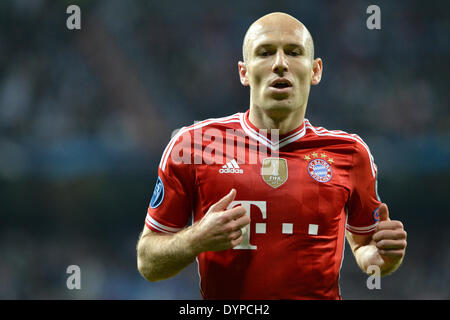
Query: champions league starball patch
x: 319, y: 166
x: 158, y: 194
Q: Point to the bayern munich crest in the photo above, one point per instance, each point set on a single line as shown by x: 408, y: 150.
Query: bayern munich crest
x: 319, y: 168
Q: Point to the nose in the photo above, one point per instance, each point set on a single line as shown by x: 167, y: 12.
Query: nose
x: 280, y: 65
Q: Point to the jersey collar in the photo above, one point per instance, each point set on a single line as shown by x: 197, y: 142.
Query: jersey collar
x: 263, y: 136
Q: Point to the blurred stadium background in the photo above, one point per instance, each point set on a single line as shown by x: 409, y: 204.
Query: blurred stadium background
x: 85, y: 116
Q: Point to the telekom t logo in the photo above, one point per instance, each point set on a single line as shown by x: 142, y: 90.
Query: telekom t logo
x: 259, y: 227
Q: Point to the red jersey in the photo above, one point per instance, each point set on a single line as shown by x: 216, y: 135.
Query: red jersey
x: 301, y: 195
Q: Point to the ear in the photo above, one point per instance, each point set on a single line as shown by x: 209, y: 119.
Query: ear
x: 316, y: 71
x: 243, y: 73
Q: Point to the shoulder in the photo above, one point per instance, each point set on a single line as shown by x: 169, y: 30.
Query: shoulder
x: 334, y: 134
x: 184, y: 138
x: 359, y: 148
x: 215, y: 122
x: 223, y: 122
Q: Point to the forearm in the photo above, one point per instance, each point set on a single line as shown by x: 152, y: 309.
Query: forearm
x: 161, y: 256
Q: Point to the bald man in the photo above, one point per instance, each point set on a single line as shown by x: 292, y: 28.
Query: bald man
x: 268, y: 225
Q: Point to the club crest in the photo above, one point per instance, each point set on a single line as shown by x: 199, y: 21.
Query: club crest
x: 319, y: 167
x: 274, y: 171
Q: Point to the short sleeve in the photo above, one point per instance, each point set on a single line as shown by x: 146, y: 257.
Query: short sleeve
x: 364, y: 201
x: 171, y: 206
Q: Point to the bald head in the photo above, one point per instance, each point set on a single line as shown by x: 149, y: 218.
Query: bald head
x: 274, y: 22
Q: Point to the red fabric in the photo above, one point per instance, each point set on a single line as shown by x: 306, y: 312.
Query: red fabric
x: 274, y: 265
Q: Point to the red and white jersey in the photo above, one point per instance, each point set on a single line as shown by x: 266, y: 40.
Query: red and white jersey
x: 301, y: 191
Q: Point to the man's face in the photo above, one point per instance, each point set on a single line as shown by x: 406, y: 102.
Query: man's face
x: 279, y: 66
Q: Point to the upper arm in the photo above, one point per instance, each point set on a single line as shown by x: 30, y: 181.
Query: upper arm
x: 363, y: 201
x: 145, y: 232
x: 171, y: 204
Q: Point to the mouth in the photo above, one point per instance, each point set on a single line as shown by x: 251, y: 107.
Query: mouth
x: 281, y: 84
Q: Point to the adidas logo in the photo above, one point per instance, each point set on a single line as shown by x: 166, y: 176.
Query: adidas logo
x: 231, y: 167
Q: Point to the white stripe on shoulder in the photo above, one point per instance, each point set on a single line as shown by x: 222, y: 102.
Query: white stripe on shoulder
x: 342, y: 134
x: 168, y: 150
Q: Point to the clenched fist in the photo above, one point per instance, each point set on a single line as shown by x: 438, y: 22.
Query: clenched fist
x: 390, y: 238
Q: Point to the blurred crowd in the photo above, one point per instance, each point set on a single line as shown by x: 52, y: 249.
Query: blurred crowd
x: 98, y: 106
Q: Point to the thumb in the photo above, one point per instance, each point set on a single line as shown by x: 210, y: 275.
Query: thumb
x: 384, y: 212
x: 223, y: 203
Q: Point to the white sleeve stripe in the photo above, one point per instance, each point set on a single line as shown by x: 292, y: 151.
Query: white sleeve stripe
x: 155, y: 227
x: 152, y: 221
x: 361, y: 229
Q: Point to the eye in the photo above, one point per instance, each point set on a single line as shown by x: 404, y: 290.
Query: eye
x: 294, y: 53
x: 264, y: 53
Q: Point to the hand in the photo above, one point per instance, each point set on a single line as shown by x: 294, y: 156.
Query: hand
x: 220, y: 229
x: 390, y: 239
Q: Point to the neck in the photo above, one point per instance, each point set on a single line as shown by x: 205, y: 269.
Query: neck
x: 284, y: 120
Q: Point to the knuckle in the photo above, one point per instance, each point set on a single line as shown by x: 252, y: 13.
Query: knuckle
x: 241, y: 212
x: 237, y: 241
x: 220, y: 220
x: 235, y: 235
x: 243, y: 222
x: 380, y: 244
x: 384, y: 224
x: 384, y: 244
x: 376, y: 237
x: 381, y: 234
x: 233, y: 225
x: 225, y: 218
x: 227, y: 228
x: 400, y: 234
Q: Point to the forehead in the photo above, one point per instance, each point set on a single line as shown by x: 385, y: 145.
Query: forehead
x: 277, y: 34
